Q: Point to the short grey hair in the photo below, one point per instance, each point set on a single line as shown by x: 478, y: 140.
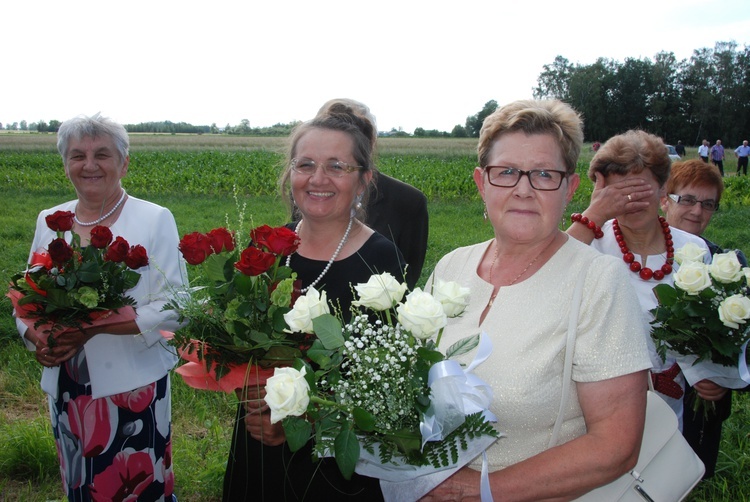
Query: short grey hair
x: 92, y: 127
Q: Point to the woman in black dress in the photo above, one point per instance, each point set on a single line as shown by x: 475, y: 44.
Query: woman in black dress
x: 329, y: 168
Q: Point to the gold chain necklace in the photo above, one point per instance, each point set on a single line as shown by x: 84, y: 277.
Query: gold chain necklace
x: 494, y: 260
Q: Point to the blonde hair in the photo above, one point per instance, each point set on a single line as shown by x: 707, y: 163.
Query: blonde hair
x: 529, y: 116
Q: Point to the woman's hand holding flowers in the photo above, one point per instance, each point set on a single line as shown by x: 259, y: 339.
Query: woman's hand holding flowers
x: 710, y: 391
x: 258, y: 417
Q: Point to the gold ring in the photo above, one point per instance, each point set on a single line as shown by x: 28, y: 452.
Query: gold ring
x: 630, y: 198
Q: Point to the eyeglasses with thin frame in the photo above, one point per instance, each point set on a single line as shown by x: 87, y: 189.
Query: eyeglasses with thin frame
x: 540, y: 179
x: 689, y: 200
x: 334, y: 168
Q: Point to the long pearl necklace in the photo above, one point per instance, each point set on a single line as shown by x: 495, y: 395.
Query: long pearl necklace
x: 330, y: 262
x: 646, y: 273
x: 99, y: 220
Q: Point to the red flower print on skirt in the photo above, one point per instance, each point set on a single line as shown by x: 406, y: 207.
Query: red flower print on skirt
x: 89, y: 422
x: 129, y: 475
x: 135, y: 400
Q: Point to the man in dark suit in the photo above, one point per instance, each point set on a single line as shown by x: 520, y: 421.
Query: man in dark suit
x: 399, y: 211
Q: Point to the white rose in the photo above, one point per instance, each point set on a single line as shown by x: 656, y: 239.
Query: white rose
x: 380, y: 292
x: 287, y: 393
x: 734, y: 310
x: 307, y: 308
x: 692, y: 277
x: 726, y: 268
x: 452, y: 295
x: 421, y: 314
x: 689, y: 252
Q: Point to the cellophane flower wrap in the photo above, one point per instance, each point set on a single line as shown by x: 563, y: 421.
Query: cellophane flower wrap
x: 67, y: 286
x: 363, y: 389
x: 705, y: 315
x: 234, y: 307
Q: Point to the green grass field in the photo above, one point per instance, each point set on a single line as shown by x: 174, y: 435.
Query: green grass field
x: 194, y: 176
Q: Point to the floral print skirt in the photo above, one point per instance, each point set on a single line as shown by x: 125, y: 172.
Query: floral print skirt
x: 116, y: 448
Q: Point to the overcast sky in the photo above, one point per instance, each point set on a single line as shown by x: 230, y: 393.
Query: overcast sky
x: 415, y: 63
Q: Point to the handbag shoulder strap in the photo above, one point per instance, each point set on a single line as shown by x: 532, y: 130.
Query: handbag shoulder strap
x: 575, y: 306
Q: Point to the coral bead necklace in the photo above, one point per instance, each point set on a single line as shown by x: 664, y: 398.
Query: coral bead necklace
x: 646, y: 273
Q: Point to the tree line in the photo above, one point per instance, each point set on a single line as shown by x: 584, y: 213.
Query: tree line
x: 705, y: 96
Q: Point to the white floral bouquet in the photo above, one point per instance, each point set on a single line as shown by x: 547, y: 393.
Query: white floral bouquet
x: 704, y: 315
x: 375, y: 392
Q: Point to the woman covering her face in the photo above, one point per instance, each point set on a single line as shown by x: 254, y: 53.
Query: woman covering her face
x: 522, y: 282
x: 630, y: 172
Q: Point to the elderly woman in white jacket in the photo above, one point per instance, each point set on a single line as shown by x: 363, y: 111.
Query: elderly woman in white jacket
x: 108, y: 383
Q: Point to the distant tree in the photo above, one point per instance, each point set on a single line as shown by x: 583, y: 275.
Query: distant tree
x: 41, y: 126
x: 214, y: 129
x: 24, y: 126
x: 459, y: 131
x: 474, y: 122
x: 54, y: 125
x: 1, y: 125
x: 554, y: 81
x: 419, y: 132
x: 12, y: 127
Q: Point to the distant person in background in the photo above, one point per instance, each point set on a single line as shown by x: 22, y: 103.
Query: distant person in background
x: 703, y: 151
x: 680, y: 148
x: 692, y: 195
x: 741, y: 152
x: 395, y: 209
x: 717, y: 156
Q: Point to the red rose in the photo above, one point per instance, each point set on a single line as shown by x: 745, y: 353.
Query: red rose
x: 60, y: 251
x: 60, y: 221
x: 117, y: 251
x: 279, y: 241
x: 221, y: 239
x: 195, y: 248
x: 101, y: 236
x: 253, y: 261
x: 259, y: 236
x: 283, y: 241
x: 136, y: 257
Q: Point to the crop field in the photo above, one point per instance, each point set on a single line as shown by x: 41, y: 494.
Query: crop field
x: 196, y: 176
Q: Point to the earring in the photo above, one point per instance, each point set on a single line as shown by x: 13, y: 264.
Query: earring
x: 484, y: 214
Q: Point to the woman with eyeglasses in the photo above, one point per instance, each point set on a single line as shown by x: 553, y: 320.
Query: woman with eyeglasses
x: 693, y: 192
x: 326, y: 178
x: 522, y: 284
x: 630, y: 172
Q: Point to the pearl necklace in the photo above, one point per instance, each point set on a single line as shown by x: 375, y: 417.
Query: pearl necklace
x: 99, y: 220
x: 330, y: 262
x: 646, y: 273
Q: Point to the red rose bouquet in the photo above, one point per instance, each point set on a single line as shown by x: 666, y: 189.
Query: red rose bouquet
x: 235, y: 308
x: 67, y: 286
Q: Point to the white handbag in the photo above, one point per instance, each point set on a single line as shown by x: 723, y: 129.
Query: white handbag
x: 667, y: 469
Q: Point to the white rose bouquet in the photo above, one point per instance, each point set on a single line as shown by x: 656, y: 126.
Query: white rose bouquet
x: 705, y: 314
x: 364, y: 394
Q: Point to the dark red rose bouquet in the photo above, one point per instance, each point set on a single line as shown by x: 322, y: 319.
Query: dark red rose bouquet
x: 234, y: 307
x: 67, y: 286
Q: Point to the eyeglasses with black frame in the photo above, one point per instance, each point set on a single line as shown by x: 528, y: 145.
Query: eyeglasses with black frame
x: 540, y: 179
x: 333, y: 168
x: 689, y: 200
